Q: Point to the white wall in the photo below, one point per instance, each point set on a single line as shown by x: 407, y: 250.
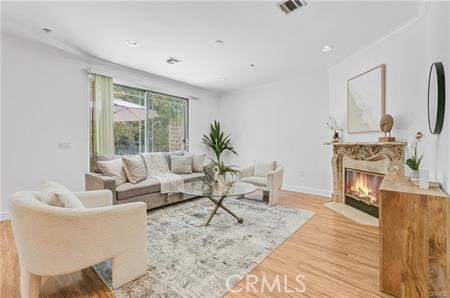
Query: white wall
x: 408, y: 54
x: 45, y: 91
x: 283, y: 121
x: 45, y: 101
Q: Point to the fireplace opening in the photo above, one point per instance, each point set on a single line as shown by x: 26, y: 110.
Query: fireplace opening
x: 362, y: 190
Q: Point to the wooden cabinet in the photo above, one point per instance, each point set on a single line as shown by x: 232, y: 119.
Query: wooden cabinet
x: 415, y: 240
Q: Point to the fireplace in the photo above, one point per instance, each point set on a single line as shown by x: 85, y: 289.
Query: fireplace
x: 362, y: 190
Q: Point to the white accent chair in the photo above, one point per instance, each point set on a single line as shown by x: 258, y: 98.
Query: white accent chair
x: 267, y: 177
x: 54, y: 240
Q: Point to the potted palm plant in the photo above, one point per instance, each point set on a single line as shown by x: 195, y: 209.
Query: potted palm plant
x: 218, y: 142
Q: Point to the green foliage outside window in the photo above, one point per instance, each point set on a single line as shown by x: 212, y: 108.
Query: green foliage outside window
x: 130, y: 136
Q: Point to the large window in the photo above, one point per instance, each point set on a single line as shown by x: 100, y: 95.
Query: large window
x: 148, y: 121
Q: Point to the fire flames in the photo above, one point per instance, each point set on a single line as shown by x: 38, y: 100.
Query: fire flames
x: 359, y: 187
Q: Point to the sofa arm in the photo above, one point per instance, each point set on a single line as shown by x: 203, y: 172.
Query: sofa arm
x: 95, y: 198
x: 246, y: 172
x: 96, y: 181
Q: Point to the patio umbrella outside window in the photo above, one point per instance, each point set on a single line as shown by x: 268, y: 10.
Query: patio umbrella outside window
x: 125, y: 111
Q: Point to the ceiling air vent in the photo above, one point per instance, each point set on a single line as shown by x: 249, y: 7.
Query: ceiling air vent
x: 289, y: 6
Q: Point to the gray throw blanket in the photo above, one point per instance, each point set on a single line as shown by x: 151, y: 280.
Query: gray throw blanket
x: 157, y: 168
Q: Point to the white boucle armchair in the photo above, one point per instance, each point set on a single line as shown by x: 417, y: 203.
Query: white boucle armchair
x: 53, y: 240
x: 270, y: 183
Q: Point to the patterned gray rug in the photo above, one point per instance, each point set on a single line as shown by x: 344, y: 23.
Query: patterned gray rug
x: 187, y: 259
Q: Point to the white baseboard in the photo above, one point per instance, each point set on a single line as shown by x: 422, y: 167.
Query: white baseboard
x: 307, y: 190
x: 4, y: 215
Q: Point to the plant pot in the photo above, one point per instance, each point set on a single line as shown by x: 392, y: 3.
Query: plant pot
x: 221, y: 181
x: 412, y: 173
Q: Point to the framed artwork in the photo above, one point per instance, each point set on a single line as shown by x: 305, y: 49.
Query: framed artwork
x: 366, y: 100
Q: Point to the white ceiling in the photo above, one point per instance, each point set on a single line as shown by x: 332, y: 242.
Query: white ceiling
x: 253, y: 32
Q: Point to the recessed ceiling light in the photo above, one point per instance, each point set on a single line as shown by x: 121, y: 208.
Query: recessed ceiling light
x: 252, y: 65
x: 47, y: 30
x: 327, y: 48
x: 132, y: 43
x: 172, y: 60
x: 221, y: 79
x: 219, y: 42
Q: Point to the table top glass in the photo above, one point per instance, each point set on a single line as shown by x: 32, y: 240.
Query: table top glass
x: 199, y: 188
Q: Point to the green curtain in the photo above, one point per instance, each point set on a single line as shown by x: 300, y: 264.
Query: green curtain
x: 102, y: 118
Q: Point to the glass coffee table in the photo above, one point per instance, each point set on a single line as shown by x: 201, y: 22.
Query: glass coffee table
x: 217, y: 195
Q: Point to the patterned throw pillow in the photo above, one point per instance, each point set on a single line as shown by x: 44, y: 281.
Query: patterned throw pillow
x: 134, y: 166
x: 181, y: 164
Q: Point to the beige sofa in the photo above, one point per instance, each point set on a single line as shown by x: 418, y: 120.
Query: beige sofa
x: 147, y: 191
x: 270, y: 181
x: 53, y: 240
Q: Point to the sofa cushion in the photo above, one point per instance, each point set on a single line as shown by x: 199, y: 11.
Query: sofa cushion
x: 114, y: 169
x: 103, y: 158
x: 262, y: 168
x: 149, y: 185
x: 198, y: 162
x: 168, y: 154
x: 181, y: 164
x: 55, y: 194
x: 134, y: 166
x: 255, y: 180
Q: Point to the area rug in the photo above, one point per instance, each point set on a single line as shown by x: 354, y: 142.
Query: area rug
x: 353, y: 214
x: 187, y: 259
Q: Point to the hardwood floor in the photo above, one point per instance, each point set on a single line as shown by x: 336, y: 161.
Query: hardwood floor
x: 336, y: 256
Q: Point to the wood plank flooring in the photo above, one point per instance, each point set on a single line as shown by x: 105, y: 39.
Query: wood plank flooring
x: 336, y: 256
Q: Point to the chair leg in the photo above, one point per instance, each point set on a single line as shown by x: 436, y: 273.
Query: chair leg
x: 266, y: 196
x: 127, y: 267
x: 30, y: 284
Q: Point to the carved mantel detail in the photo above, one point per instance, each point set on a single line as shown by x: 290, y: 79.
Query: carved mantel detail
x: 387, y: 158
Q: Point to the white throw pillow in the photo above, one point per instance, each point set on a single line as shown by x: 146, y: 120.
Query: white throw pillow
x: 198, y: 162
x: 262, y: 168
x: 55, y: 194
x: 114, y: 169
x: 103, y: 158
x: 135, y: 168
x: 181, y: 164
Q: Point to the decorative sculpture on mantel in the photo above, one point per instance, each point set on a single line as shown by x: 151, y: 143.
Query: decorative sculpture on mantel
x: 386, y: 124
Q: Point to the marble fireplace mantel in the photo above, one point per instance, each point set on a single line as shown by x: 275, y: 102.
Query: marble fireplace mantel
x: 377, y: 157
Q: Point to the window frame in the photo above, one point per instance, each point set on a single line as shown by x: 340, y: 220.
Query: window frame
x: 148, y: 91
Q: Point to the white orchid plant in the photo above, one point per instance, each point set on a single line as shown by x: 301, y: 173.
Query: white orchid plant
x: 334, y: 127
x: 414, y: 161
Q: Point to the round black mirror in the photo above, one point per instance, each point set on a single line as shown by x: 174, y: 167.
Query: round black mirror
x: 436, y: 97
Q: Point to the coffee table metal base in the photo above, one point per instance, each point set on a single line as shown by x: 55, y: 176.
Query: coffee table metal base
x: 220, y: 205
